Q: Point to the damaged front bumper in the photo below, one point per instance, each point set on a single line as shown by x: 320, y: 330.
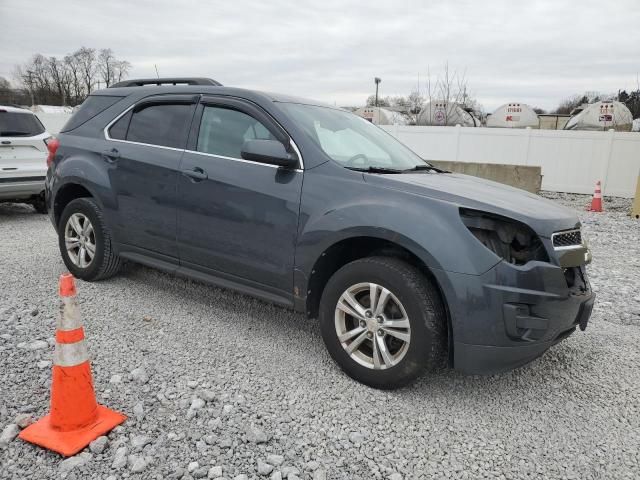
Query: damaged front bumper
x: 512, y: 314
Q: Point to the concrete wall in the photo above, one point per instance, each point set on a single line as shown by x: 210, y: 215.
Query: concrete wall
x: 571, y: 161
x: 519, y: 176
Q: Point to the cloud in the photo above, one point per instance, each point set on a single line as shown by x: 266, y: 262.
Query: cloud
x: 535, y: 52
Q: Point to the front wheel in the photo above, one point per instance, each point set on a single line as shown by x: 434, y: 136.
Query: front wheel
x: 383, y: 322
x: 85, y: 241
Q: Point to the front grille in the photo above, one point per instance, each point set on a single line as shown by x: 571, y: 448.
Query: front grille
x: 570, y: 238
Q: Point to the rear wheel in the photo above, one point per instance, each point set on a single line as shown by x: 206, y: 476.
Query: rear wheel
x: 383, y: 322
x: 39, y: 204
x: 85, y: 241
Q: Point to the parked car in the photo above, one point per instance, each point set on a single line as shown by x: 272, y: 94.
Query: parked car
x: 407, y: 267
x: 23, y: 151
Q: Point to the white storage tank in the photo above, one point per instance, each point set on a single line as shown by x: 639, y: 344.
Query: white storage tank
x: 602, y: 116
x: 441, y: 113
x: 382, y: 116
x: 514, y: 115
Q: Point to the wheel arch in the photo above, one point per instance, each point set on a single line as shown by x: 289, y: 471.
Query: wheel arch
x: 353, y: 248
x: 68, y: 192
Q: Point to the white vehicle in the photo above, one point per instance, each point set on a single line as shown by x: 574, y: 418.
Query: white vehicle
x: 514, y: 115
x: 23, y: 157
x: 382, y: 116
x: 601, y: 116
x: 442, y: 113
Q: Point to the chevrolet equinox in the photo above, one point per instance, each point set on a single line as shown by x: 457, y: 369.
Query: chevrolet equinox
x: 407, y: 267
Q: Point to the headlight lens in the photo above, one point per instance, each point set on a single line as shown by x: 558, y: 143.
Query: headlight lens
x: 511, y: 240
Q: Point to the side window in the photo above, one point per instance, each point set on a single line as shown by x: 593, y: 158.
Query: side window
x: 118, y: 130
x: 165, y: 124
x: 223, y: 131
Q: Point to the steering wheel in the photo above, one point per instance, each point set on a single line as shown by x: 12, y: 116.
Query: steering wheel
x: 358, y: 160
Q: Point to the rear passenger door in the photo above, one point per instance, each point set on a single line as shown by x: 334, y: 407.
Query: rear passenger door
x: 237, y: 219
x: 145, y: 146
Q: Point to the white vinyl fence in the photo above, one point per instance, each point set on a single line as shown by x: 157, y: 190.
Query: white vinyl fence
x: 571, y: 161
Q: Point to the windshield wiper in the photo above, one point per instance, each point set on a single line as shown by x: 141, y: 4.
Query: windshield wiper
x: 424, y: 168
x: 372, y: 169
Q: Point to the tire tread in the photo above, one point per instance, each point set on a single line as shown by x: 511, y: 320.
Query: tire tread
x: 429, y: 301
x: 110, y: 262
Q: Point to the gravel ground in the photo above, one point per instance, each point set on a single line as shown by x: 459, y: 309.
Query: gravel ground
x: 216, y: 384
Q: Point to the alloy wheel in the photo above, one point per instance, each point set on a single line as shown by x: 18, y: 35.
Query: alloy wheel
x: 372, y: 326
x: 80, y: 240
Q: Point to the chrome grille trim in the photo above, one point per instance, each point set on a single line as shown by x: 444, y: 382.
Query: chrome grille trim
x: 568, y: 239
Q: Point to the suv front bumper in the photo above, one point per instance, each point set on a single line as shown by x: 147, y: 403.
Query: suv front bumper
x: 512, y: 314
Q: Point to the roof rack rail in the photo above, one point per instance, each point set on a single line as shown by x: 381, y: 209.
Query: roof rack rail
x: 141, y: 82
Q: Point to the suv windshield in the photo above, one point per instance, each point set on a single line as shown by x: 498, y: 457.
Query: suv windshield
x: 18, y: 124
x: 352, y: 141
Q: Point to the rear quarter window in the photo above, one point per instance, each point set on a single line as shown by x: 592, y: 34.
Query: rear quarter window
x: 18, y: 124
x: 165, y: 125
x: 92, y: 106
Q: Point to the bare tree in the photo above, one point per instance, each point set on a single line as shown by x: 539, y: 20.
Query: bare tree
x: 450, y: 90
x: 121, y: 70
x: 88, y: 67
x: 60, y: 78
x: 67, y: 81
x: 73, y: 67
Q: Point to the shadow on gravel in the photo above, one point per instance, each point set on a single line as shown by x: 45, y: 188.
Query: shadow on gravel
x: 203, y: 295
x: 542, y: 375
x: 17, y: 210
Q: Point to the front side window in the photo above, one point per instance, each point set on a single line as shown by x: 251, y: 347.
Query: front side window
x: 223, y: 131
x: 164, y: 124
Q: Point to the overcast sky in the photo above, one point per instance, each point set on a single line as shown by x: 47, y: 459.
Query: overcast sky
x: 537, y: 52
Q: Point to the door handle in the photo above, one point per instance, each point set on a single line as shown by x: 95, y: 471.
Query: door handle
x: 111, y: 155
x: 196, y: 173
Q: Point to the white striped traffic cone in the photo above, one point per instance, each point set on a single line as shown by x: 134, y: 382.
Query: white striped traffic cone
x: 75, y: 419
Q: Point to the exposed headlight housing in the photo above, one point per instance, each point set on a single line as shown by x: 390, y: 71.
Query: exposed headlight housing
x: 511, y: 240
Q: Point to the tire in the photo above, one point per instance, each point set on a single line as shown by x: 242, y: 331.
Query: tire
x: 39, y: 204
x: 104, y: 263
x: 420, y: 304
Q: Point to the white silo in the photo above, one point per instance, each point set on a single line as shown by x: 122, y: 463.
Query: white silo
x: 602, y: 116
x: 514, y: 115
x: 382, y: 116
x: 442, y: 113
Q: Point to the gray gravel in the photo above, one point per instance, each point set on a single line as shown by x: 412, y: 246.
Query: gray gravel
x: 216, y: 384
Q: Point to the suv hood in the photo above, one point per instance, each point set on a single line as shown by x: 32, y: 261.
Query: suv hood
x: 543, y: 215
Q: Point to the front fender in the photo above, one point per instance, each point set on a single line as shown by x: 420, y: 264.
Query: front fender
x: 337, y: 205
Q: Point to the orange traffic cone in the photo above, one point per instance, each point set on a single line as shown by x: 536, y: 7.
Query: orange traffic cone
x: 596, y: 201
x: 75, y: 419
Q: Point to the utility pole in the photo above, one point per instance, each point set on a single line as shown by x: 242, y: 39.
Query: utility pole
x: 377, y: 80
x: 29, y: 76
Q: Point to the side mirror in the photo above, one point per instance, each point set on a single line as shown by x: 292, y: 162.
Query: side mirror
x: 271, y: 152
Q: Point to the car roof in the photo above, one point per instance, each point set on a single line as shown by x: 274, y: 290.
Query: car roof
x: 249, y: 94
x: 14, y: 109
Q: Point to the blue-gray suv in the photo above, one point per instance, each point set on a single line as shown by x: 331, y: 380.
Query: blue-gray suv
x: 407, y: 267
